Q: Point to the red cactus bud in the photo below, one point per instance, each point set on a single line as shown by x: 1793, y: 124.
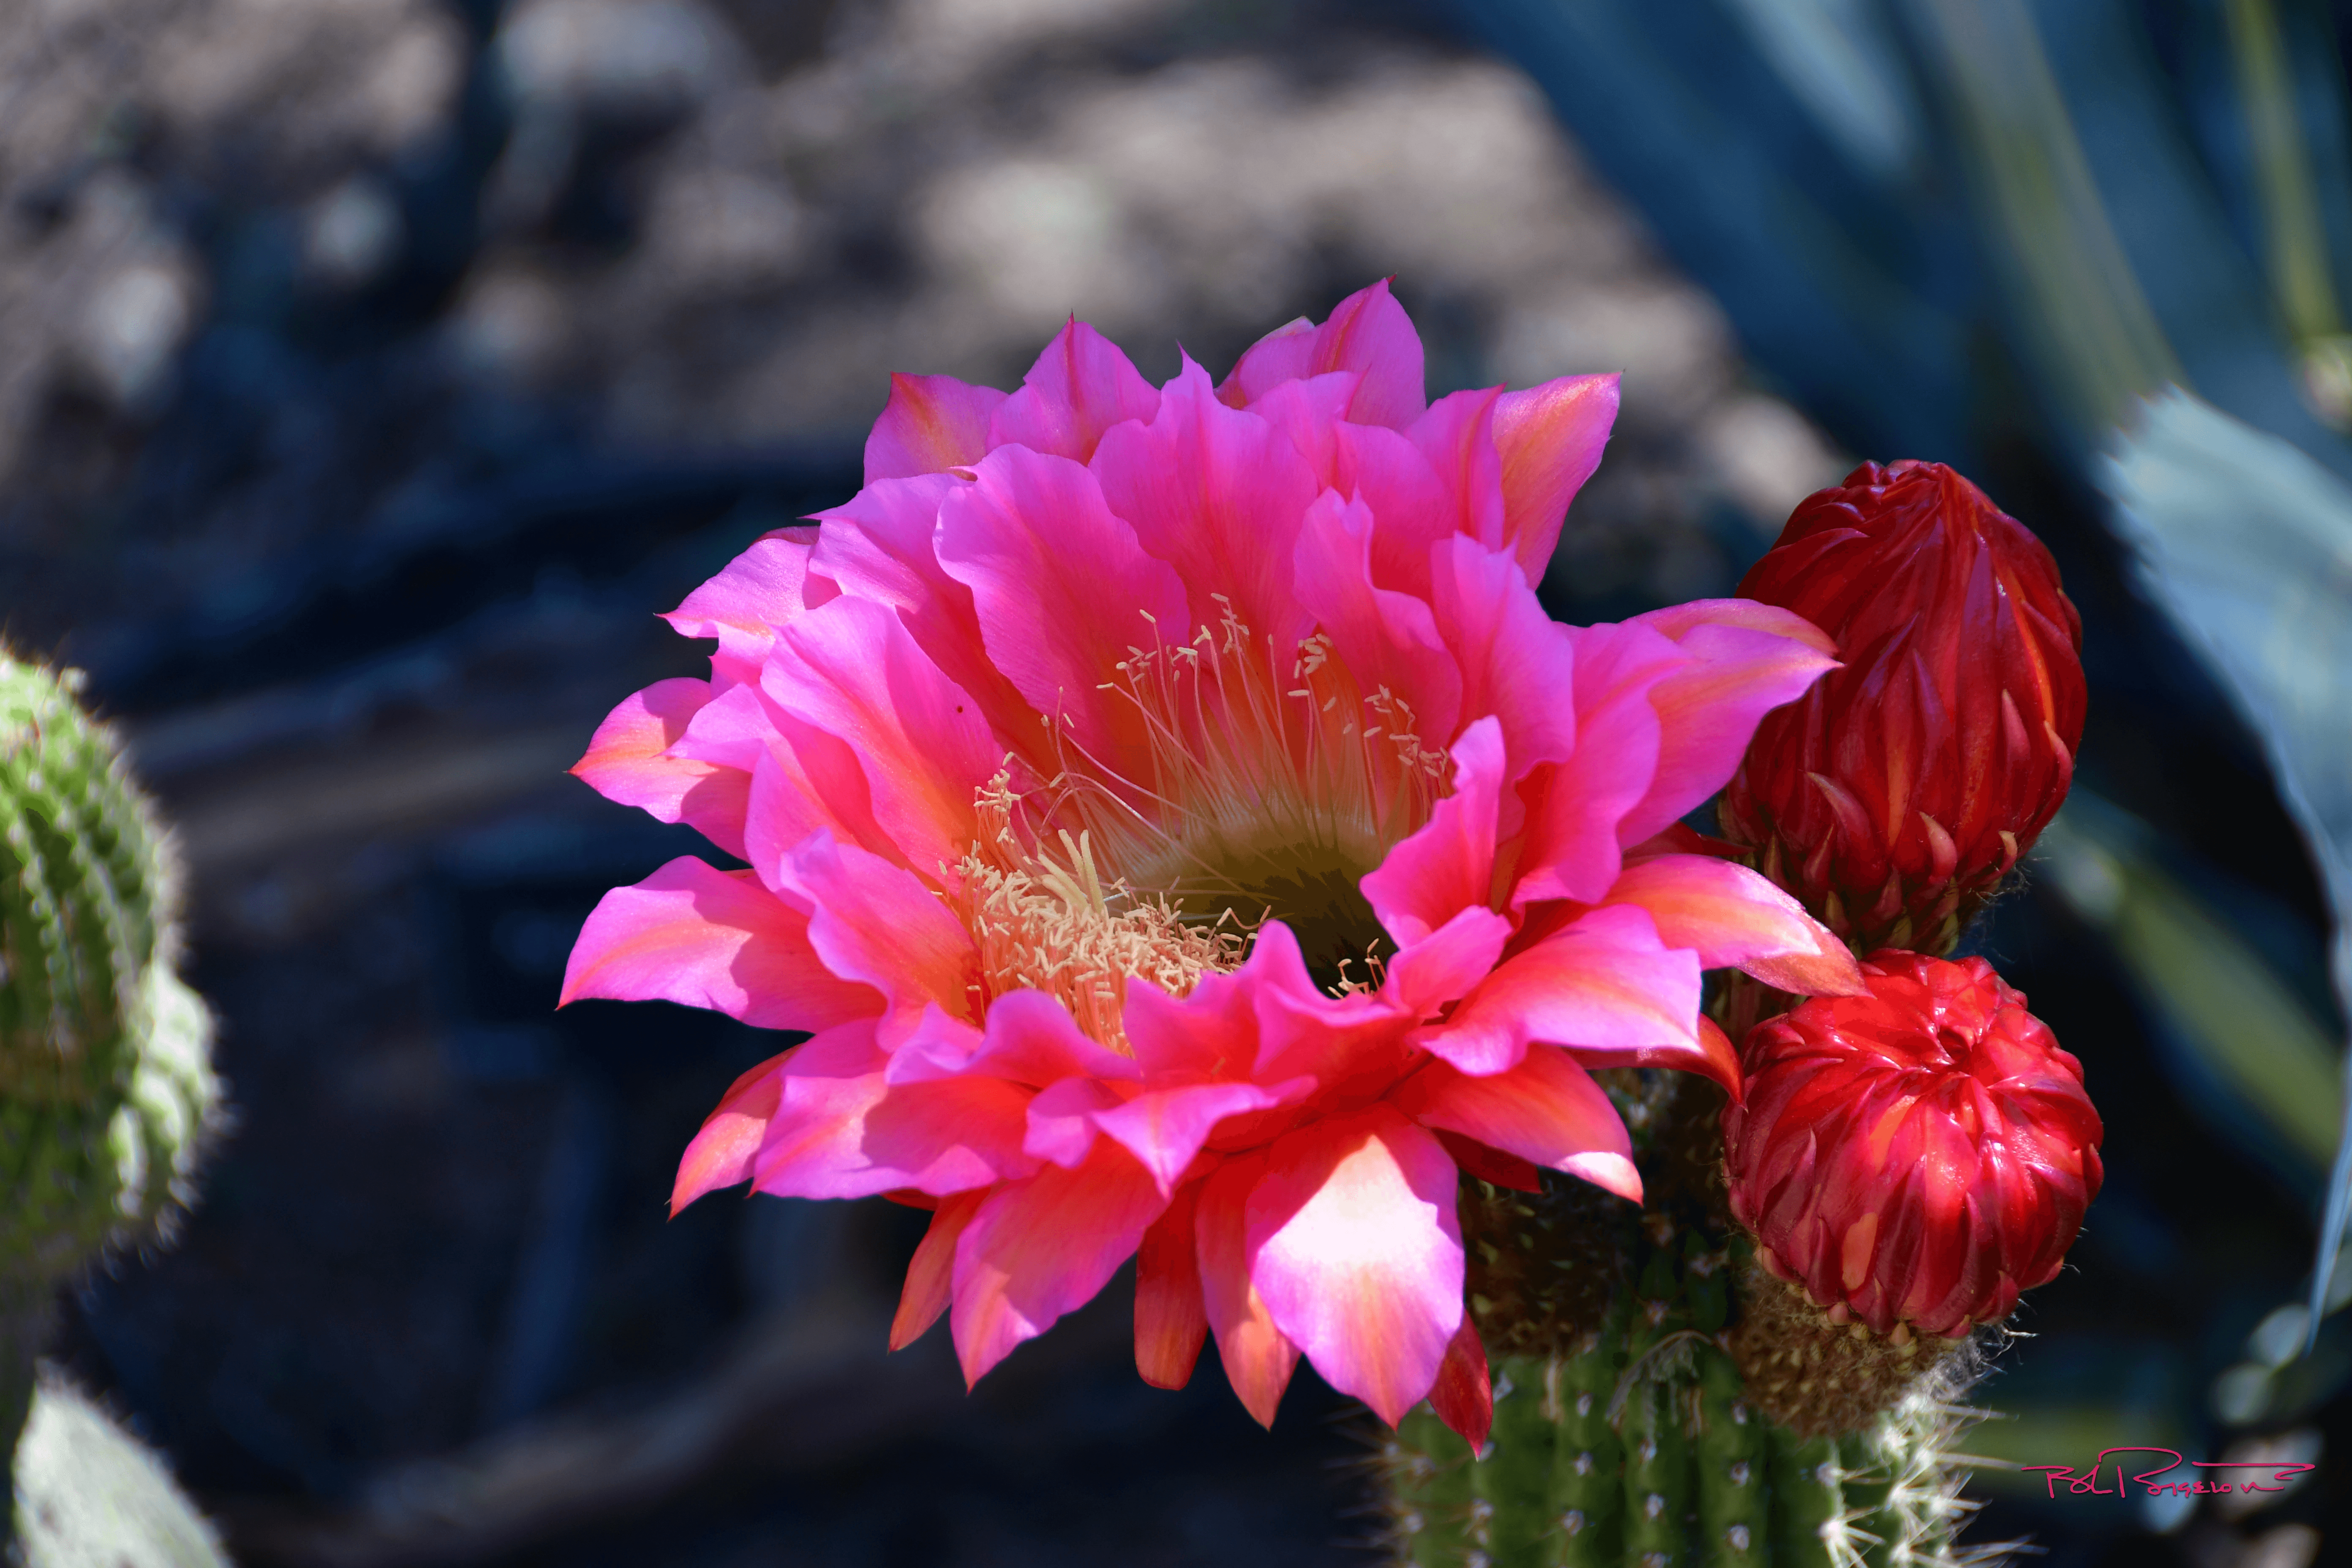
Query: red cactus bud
x: 1899, y: 791
x: 1917, y: 1156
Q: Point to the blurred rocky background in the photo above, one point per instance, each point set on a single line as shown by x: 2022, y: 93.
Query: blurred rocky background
x: 372, y: 370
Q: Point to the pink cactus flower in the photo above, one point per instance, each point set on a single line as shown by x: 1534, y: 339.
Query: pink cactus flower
x: 1184, y: 837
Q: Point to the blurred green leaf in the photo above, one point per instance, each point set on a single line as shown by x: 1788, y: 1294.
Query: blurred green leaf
x: 2247, y: 543
x: 2293, y: 237
x: 2225, y: 1003
x: 2099, y: 341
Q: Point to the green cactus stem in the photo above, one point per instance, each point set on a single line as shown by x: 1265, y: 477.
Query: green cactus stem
x: 1658, y: 1490
x: 107, y: 1092
x: 1627, y: 1433
x: 1811, y: 1528
x: 1514, y: 1479
x: 1589, y: 1455
x: 1641, y: 1449
x: 93, y: 1496
x: 1731, y: 1461
x: 1426, y: 1470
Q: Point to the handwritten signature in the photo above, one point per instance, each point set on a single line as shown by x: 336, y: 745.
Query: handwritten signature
x: 2274, y: 1476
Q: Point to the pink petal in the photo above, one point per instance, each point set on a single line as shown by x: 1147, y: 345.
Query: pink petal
x: 730, y: 730
x: 1029, y: 1038
x: 1267, y: 1025
x: 1283, y: 355
x: 1309, y: 413
x: 1750, y: 659
x: 1426, y: 975
x: 1734, y: 918
x: 1081, y: 387
x: 878, y: 546
x: 1042, y: 1245
x: 1211, y: 1033
x: 1266, y: 1022
x: 852, y: 670
x: 1464, y: 1395
x: 803, y: 782
x: 1165, y: 1128
x: 1258, y: 1359
x: 873, y: 921
x: 636, y: 734
x: 627, y: 764
x: 820, y: 1142
x: 1571, y: 849
x: 1216, y: 493
x: 1385, y: 640
x: 1457, y: 437
x: 1416, y: 510
x: 1679, y: 621
x: 1603, y: 980
x: 1062, y: 1121
x: 949, y: 1134
x: 932, y: 423
x: 1169, y: 1320
x: 1368, y: 332
x: 1710, y: 1056
x: 1346, y: 1043
x: 1549, y: 438
x: 696, y: 936
x: 1063, y: 591
x: 1547, y: 1111
x: 933, y: 1272
x: 1448, y: 864
x: 1357, y: 1253
x: 766, y: 588
x: 1490, y: 1165
x: 1516, y: 660
x: 720, y: 1154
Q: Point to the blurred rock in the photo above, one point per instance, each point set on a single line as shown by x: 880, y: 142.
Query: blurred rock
x: 623, y: 58
x: 351, y: 235
x: 717, y: 225
x: 1768, y: 457
x: 120, y: 111
x: 141, y: 300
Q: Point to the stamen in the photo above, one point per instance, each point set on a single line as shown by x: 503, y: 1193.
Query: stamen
x: 1055, y: 927
x: 1376, y: 971
x: 1257, y: 795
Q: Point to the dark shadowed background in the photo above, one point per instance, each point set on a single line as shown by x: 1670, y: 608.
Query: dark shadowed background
x: 372, y: 371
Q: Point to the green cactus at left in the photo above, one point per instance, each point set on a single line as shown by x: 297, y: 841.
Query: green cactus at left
x: 105, y: 1085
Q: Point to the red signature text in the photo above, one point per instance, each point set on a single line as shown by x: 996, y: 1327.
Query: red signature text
x: 2167, y: 1478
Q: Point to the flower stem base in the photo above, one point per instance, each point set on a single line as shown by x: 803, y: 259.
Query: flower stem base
x: 1820, y: 1378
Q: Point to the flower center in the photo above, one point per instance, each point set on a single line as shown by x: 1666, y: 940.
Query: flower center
x: 1272, y: 784
x: 1056, y: 926
x: 1278, y: 782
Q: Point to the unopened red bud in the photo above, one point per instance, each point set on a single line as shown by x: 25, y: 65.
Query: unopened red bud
x: 1895, y: 795
x: 1915, y: 1156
